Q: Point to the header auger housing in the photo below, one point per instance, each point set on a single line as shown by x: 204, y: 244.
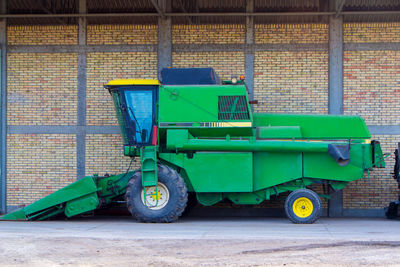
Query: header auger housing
x: 196, y: 134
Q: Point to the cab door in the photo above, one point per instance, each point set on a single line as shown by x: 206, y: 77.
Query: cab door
x: 138, y: 105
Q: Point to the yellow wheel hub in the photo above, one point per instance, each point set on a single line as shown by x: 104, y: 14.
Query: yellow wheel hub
x: 303, y: 207
x: 156, y: 196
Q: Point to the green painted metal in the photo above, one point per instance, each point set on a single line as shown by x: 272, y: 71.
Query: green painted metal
x: 210, y: 172
x: 272, y: 168
x: 318, y: 126
x: 84, y: 195
x: 201, y: 100
x: 258, y: 196
x: 148, y: 160
x: 181, y: 140
x: 223, y: 151
x: 112, y: 187
x: 14, y: 216
x: 52, y: 202
x: 209, y: 199
x: 196, y: 108
x: 81, y: 205
x: 251, y: 198
x: 249, y: 163
x: 291, y: 132
x: 131, y: 151
x: 379, y: 160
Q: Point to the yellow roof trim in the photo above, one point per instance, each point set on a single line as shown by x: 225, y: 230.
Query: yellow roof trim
x: 133, y: 82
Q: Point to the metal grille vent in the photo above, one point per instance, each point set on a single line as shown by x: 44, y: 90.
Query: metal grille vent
x: 232, y: 108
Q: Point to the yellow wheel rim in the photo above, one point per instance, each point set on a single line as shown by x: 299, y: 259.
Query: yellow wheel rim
x: 303, y: 207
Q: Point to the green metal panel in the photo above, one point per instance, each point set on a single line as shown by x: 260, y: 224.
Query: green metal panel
x: 208, y: 172
x: 279, y: 132
x: 249, y: 158
x: 196, y: 108
x: 252, y: 198
x: 274, y: 168
x: 194, y: 103
x: 176, y: 161
x: 82, y: 196
x: 209, y: 199
x: 180, y: 140
x: 323, y: 166
x: 131, y: 151
x: 318, y: 165
x: 148, y: 159
x: 81, y: 205
x: 112, y: 186
x: 256, y: 197
x: 318, y: 126
x: 378, y: 157
x: 77, y: 189
x: 220, y: 172
x: 80, y: 188
x: 211, y: 132
x: 15, y: 215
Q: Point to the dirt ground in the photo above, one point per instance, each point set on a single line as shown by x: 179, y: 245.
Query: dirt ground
x: 63, y: 251
x: 120, y: 241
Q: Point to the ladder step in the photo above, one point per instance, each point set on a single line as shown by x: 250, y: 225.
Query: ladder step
x: 148, y: 170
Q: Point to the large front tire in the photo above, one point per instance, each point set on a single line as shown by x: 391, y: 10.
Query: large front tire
x: 166, y: 206
x: 303, y: 206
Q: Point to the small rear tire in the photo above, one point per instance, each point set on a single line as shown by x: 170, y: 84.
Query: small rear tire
x: 169, y: 203
x: 303, y: 206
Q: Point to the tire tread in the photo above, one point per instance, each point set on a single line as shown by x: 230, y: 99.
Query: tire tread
x: 177, y: 210
x: 294, y: 195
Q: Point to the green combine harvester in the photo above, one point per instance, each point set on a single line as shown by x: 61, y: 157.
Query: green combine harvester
x: 195, y: 134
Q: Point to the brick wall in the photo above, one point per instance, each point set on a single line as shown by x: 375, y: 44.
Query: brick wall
x: 208, y: 34
x: 38, y: 165
x: 291, y: 82
x: 225, y: 64
x: 291, y: 33
x: 372, y: 90
x: 371, y: 32
x: 103, y: 67
x: 42, y: 88
x: 377, y: 191
x: 42, y: 35
x: 104, y: 154
x: 371, y: 86
x: 121, y: 34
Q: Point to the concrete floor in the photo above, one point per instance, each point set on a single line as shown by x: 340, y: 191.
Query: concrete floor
x: 118, y: 241
x: 209, y: 228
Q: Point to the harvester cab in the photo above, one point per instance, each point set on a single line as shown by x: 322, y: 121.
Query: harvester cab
x: 187, y: 99
x: 135, y: 105
x: 196, y: 134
